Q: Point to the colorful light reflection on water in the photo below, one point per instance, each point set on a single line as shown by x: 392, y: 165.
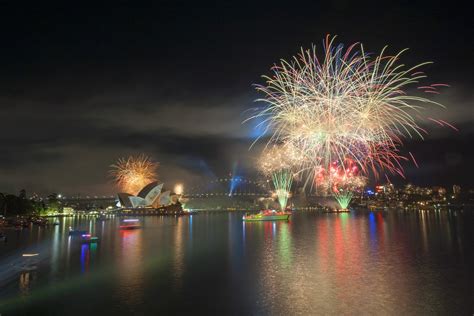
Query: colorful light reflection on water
x: 362, y: 262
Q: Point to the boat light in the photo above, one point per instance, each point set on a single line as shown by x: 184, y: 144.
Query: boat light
x: 130, y: 220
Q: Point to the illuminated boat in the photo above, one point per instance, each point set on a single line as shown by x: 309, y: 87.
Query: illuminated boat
x: 87, y: 238
x: 267, y: 215
x: 130, y: 223
x: 189, y: 212
x: 29, y: 263
x: 344, y: 210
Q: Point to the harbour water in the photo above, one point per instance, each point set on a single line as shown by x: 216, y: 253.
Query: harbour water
x: 383, y: 262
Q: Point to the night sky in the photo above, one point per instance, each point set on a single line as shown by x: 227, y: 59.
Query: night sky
x: 83, y: 86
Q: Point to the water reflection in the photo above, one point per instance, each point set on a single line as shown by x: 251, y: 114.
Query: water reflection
x: 56, y: 247
x: 284, y: 243
x: 130, y: 267
x: 178, y: 252
x: 380, y: 231
x: 84, y: 258
x: 372, y: 230
x: 26, y: 280
x: 190, y: 225
x: 68, y: 252
x: 385, y: 262
x: 270, y: 243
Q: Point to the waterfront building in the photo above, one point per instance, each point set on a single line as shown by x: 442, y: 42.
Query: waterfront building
x: 152, y: 195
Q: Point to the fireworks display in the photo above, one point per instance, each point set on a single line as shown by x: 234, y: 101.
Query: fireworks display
x: 282, y: 181
x: 341, y: 181
x: 133, y: 173
x: 277, y: 162
x: 343, y: 198
x: 346, y: 105
x: 340, y: 177
x: 276, y: 158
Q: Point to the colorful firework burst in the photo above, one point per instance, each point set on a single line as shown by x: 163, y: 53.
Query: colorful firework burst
x: 343, y: 198
x: 277, y: 161
x: 276, y: 158
x: 346, y: 105
x: 339, y: 177
x: 341, y: 181
x: 133, y: 173
x: 282, y: 181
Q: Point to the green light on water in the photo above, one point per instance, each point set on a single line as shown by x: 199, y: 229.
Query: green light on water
x: 284, y: 242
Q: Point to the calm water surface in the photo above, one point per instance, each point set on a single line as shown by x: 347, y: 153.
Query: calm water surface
x: 213, y: 263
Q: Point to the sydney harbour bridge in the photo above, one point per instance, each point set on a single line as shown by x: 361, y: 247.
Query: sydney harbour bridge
x: 228, y: 194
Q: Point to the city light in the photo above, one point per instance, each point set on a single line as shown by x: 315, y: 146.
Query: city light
x: 178, y: 188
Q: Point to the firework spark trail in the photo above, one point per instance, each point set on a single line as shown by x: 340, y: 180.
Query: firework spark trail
x: 340, y: 181
x: 282, y: 180
x: 347, y: 105
x: 276, y: 162
x: 343, y: 198
x: 133, y: 173
x: 340, y: 177
x: 275, y: 158
x: 413, y: 158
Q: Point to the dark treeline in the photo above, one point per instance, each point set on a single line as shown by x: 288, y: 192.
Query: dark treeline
x: 12, y: 205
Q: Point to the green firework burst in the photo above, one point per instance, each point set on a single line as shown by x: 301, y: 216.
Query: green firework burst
x: 282, y: 181
x: 343, y: 198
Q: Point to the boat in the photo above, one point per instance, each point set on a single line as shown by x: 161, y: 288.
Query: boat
x: 74, y: 232
x: 189, y: 212
x: 87, y: 238
x: 29, y: 263
x: 345, y: 210
x: 22, y: 224
x: 39, y: 221
x: 267, y: 215
x: 130, y: 223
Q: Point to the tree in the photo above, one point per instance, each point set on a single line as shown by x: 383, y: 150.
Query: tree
x: 54, y: 205
x: 3, y: 204
x: 25, y: 206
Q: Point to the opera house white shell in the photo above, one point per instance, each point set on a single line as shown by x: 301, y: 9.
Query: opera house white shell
x: 150, y: 196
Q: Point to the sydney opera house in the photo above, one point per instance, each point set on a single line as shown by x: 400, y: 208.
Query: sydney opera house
x: 151, y: 196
